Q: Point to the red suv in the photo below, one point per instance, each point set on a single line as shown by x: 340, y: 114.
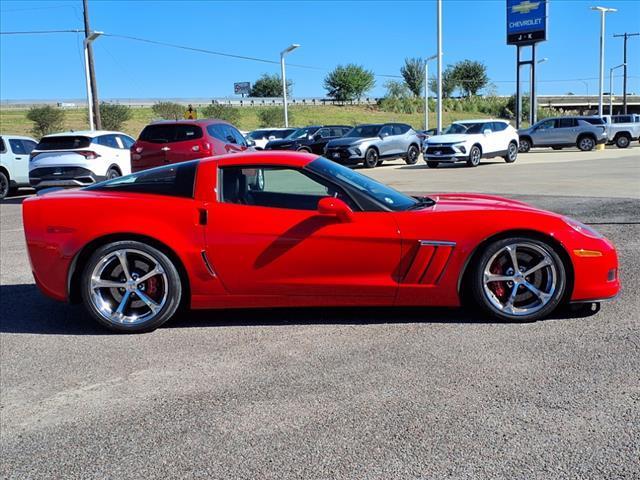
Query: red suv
x: 178, y: 141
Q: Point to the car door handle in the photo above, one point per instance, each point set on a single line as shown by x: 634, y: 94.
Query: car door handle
x: 165, y: 149
x: 17, y: 158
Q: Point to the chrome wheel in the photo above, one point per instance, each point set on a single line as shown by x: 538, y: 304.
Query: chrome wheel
x: 520, y: 279
x: 128, y: 287
x: 525, y: 145
x: 586, y: 143
x: 474, y: 157
x: 512, y: 153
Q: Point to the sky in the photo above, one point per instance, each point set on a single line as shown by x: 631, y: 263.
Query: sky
x: 378, y: 35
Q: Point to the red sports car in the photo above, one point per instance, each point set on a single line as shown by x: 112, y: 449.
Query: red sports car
x: 288, y: 229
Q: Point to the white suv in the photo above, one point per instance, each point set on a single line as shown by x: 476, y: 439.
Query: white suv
x: 14, y: 162
x: 77, y: 159
x: 472, y: 140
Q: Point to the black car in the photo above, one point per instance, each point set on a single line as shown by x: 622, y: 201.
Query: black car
x: 309, y: 139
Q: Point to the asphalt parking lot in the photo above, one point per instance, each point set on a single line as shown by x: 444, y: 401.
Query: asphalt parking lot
x: 339, y: 393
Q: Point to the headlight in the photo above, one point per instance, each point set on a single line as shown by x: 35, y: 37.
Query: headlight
x: 582, y: 228
x: 460, y: 146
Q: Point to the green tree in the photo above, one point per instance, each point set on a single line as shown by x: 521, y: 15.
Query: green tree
x: 114, y: 115
x: 413, y: 73
x: 273, y: 117
x: 399, y: 99
x: 471, y: 76
x: 222, y: 112
x: 449, y: 83
x: 168, y: 110
x: 270, y: 86
x: 46, y: 119
x: 348, y: 82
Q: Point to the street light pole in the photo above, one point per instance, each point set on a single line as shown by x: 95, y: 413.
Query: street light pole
x: 611, y: 86
x: 287, y: 50
x: 603, y: 11
x: 93, y: 120
x: 439, y: 54
x: 426, y: 91
x: 534, y: 104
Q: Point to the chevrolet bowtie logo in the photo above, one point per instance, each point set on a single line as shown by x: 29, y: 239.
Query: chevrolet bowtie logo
x: 525, y: 7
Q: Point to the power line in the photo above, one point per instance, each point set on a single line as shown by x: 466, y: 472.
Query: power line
x: 39, y: 32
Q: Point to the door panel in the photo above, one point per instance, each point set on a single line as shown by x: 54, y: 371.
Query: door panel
x: 274, y: 251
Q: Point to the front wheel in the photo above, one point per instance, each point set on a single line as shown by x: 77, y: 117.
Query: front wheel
x: 518, y: 279
x: 512, y: 153
x: 475, y: 154
x: 129, y: 286
x: 623, y: 141
x: 371, y: 158
x: 412, y: 155
x: 4, y: 185
x: 586, y: 144
x: 112, y: 173
x: 525, y: 145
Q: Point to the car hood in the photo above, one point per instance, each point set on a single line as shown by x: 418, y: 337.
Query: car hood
x: 478, y: 201
x: 339, y: 142
x: 450, y: 138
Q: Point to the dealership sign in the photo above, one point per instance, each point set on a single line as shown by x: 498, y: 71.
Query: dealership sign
x: 241, y: 88
x: 526, y: 21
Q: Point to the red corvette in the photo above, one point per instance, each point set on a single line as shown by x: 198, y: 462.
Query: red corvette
x: 289, y: 229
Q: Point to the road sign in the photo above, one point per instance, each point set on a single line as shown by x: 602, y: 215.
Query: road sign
x: 526, y: 21
x: 241, y: 88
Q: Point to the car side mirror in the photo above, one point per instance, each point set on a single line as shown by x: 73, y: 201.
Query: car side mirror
x: 250, y: 142
x: 384, y: 135
x: 486, y: 131
x: 334, y: 207
x: 271, y: 137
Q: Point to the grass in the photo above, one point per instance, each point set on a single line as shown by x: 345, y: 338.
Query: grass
x: 15, y: 121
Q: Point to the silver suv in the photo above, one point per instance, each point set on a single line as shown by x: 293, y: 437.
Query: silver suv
x: 371, y: 144
x: 557, y: 133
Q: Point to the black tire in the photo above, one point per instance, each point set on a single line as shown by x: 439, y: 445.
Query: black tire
x: 512, y: 153
x: 412, y: 155
x: 623, y: 141
x: 170, y: 286
x: 557, y: 148
x: 489, y: 297
x: 371, y: 158
x: 431, y: 164
x: 4, y: 185
x: 112, y: 173
x: 586, y: 143
x: 525, y: 145
x: 475, y: 154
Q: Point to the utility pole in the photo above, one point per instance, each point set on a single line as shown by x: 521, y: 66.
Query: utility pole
x: 92, y: 72
x: 624, y: 61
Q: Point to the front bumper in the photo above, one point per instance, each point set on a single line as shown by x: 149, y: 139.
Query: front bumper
x: 63, y: 177
x: 445, y: 153
x: 344, y: 155
x: 595, y: 277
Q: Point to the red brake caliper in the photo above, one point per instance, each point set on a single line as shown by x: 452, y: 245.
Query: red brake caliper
x: 497, y: 287
x: 152, y: 286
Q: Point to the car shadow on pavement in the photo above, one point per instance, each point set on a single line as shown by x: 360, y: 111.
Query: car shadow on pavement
x: 26, y: 310
x: 13, y: 200
x: 448, y: 165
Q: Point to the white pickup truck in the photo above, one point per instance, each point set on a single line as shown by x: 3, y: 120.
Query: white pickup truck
x: 622, y: 129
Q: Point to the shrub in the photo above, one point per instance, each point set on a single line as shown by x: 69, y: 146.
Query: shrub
x: 113, y: 115
x: 46, y: 120
x: 168, y: 110
x: 273, y: 117
x: 222, y: 112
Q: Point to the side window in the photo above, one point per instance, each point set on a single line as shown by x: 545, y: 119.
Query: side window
x: 3, y: 147
x: 386, y: 131
x: 29, y: 145
x: 566, y: 123
x: 546, y: 125
x: 107, y: 141
x: 17, y: 147
x: 487, y: 126
x: 127, y: 142
x: 275, y: 187
x: 239, y: 138
x: 187, y: 132
x: 158, y: 134
x: 499, y: 126
x: 217, y: 132
x: 400, y: 129
x: 323, y: 133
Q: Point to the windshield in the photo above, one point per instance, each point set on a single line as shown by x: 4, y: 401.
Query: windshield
x: 364, y: 131
x: 463, y: 128
x: 387, y: 196
x: 301, y: 133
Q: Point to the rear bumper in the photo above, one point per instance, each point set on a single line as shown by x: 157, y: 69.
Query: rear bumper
x: 63, y: 177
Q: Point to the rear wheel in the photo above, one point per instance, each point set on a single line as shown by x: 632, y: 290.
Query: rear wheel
x: 586, y: 143
x: 371, y: 158
x: 4, y: 185
x: 431, y: 164
x: 525, y: 145
x: 112, y: 173
x: 129, y: 286
x: 518, y: 279
x: 412, y: 155
x: 623, y: 141
x: 475, y: 154
x: 512, y: 153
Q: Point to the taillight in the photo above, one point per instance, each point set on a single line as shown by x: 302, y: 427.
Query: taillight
x: 88, y: 154
x: 138, y: 149
x: 205, y: 147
